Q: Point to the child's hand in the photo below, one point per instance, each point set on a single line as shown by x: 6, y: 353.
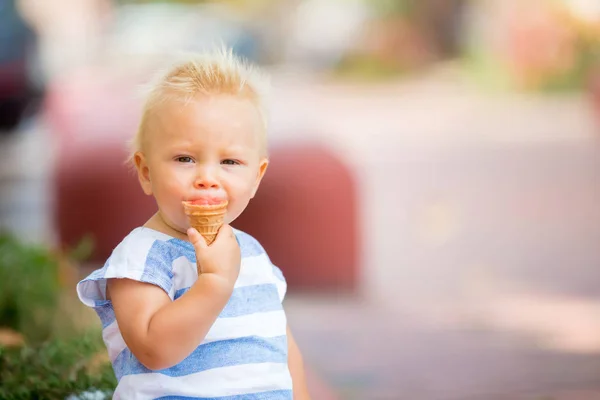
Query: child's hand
x: 222, y: 258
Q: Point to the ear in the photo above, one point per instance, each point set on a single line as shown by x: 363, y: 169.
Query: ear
x: 262, y: 168
x: 143, y: 172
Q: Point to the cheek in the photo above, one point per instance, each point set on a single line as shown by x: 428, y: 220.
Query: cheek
x: 176, y: 189
x: 174, y: 183
x: 169, y: 196
x: 239, y: 191
x: 241, y: 186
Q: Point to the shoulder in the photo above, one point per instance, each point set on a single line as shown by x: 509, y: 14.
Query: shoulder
x: 143, y: 244
x: 144, y: 255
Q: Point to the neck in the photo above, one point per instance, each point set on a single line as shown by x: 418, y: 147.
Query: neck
x: 158, y: 223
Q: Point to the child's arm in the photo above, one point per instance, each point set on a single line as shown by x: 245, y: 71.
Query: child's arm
x: 160, y: 332
x: 296, y: 366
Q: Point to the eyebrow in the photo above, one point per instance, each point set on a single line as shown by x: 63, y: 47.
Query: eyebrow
x: 236, y: 149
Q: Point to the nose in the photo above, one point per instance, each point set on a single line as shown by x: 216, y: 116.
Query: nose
x: 206, y: 179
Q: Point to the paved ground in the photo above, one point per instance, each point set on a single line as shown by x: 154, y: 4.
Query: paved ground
x: 481, y: 221
x: 367, y: 352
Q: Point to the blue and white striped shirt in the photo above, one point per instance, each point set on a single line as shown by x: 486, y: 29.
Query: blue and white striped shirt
x: 244, y: 354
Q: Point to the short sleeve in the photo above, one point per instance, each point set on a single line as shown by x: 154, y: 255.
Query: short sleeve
x: 138, y: 257
x: 280, y: 282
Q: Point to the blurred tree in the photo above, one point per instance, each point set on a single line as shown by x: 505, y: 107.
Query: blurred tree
x: 438, y: 20
x: 540, y: 45
x: 404, y: 36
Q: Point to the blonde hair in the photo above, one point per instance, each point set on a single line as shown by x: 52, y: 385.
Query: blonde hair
x: 216, y: 72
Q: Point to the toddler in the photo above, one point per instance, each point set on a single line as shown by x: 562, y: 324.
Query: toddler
x: 182, y: 319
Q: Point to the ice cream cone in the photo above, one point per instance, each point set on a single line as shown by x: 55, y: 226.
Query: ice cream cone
x: 207, y: 219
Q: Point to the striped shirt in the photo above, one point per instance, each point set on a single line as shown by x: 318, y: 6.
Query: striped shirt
x: 244, y: 354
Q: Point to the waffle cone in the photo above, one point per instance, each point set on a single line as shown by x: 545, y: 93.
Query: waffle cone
x: 207, y: 219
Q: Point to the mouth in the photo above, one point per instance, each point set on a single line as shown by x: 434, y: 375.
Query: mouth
x: 206, y: 201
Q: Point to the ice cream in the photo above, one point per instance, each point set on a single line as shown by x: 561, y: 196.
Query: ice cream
x: 206, y: 215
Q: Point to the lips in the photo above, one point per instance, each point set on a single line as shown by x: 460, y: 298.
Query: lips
x: 206, y: 201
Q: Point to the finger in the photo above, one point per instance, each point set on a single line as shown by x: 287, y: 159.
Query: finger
x: 225, y: 231
x: 196, y: 239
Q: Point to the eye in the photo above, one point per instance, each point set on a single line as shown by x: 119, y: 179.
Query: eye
x: 230, y: 162
x: 184, y: 159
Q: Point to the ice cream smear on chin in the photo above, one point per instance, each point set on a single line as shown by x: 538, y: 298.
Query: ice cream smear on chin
x: 206, y: 215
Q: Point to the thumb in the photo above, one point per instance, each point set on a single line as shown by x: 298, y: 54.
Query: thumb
x: 196, y: 239
x: 224, y: 231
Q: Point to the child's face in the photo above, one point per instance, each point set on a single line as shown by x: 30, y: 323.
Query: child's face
x: 209, y: 148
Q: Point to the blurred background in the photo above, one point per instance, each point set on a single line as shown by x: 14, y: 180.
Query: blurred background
x: 433, y: 197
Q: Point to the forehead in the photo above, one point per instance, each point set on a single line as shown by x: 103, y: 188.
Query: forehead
x: 223, y: 119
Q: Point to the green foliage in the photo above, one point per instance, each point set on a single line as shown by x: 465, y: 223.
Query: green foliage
x: 83, y: 250
x: 59, y: 359
x: 368, y: 68
x: 54, y: 370
x: 394, y: 7
x: 30, y: 289
x: 578, y: 77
